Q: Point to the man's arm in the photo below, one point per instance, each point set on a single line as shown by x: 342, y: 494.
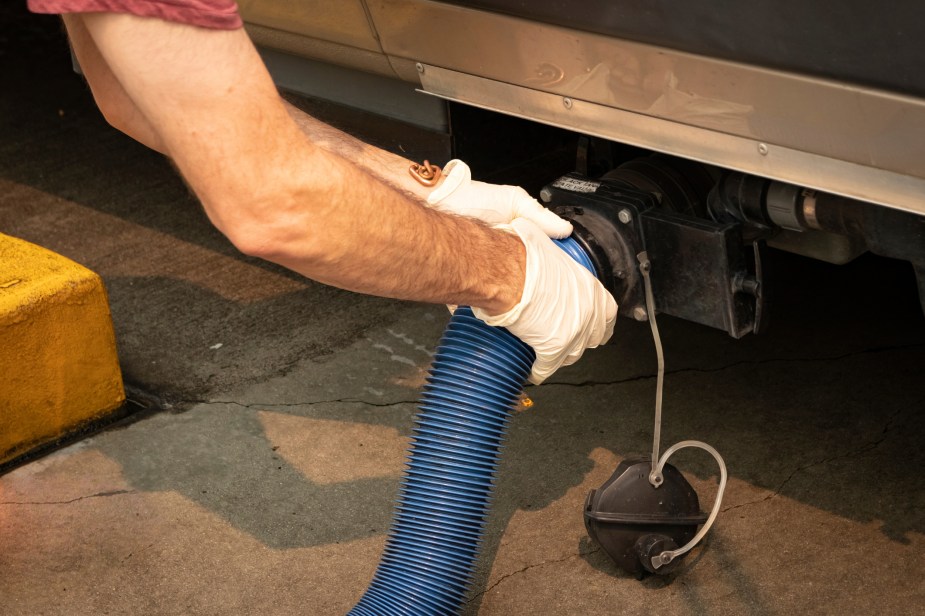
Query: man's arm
x: 118, y: 109
x: 455, y: 192
x: 384, y: 165
x: 277, y: 184
x: 212, y: 107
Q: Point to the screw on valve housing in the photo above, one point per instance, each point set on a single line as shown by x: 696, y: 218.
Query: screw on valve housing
x: 689, y: 266
x: 710, y: 271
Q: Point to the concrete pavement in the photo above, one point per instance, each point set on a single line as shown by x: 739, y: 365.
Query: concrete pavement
x: 274, y: 499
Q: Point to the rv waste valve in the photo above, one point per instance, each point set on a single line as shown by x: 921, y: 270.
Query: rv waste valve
x: 472, y: 388
x: 646, y: 516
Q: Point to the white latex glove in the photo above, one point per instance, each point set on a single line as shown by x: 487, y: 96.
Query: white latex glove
x: 492, y: 203
x: 564, y: 309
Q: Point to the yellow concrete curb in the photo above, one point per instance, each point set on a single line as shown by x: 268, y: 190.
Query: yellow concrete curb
x: 58, y: 363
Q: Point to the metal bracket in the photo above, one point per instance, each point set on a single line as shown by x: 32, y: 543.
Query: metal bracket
x: 700, y: 272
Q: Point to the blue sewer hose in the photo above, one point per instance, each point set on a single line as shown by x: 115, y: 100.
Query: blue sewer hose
x: 477, y: 378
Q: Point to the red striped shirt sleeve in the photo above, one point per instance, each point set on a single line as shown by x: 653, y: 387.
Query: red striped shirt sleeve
x: 217, y: 14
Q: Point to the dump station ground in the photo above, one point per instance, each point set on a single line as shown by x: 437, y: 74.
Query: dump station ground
x: 266, y: 483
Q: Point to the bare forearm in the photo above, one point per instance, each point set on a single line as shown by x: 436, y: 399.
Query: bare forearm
x: 344, y: 227
x: 116, y: 106
x: 382, y: 164
x: 122, y: 113
x: 277, y: 193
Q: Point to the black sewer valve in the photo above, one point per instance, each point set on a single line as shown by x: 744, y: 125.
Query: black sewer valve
x: 635, y: 522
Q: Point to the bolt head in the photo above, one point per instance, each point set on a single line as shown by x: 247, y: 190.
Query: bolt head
x: 567, y: 102
x: 640, y: 314
x: 625, y: 216
x: 420, y: 67
x: 763, y: 149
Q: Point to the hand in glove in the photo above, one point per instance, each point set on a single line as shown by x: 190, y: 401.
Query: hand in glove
x: 563, y: 310
x: 492, y: 203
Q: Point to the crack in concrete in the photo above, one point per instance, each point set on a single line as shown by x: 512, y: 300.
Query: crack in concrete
x: 533, y: 566
x: 275, y: 405
x: 643, y: 377
x: 736, y: 364
x: 73, y: 500
x: 888, y: 426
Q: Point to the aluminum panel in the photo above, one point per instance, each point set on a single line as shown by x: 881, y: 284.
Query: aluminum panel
x: 344, y: 22
x: 834, y: 124
x: 323, y: 51
x: 731, y: 151
x: 853, y: 41
x: 386, y: 97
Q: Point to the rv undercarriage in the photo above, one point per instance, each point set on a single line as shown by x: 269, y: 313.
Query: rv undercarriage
x: 717, y: 131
